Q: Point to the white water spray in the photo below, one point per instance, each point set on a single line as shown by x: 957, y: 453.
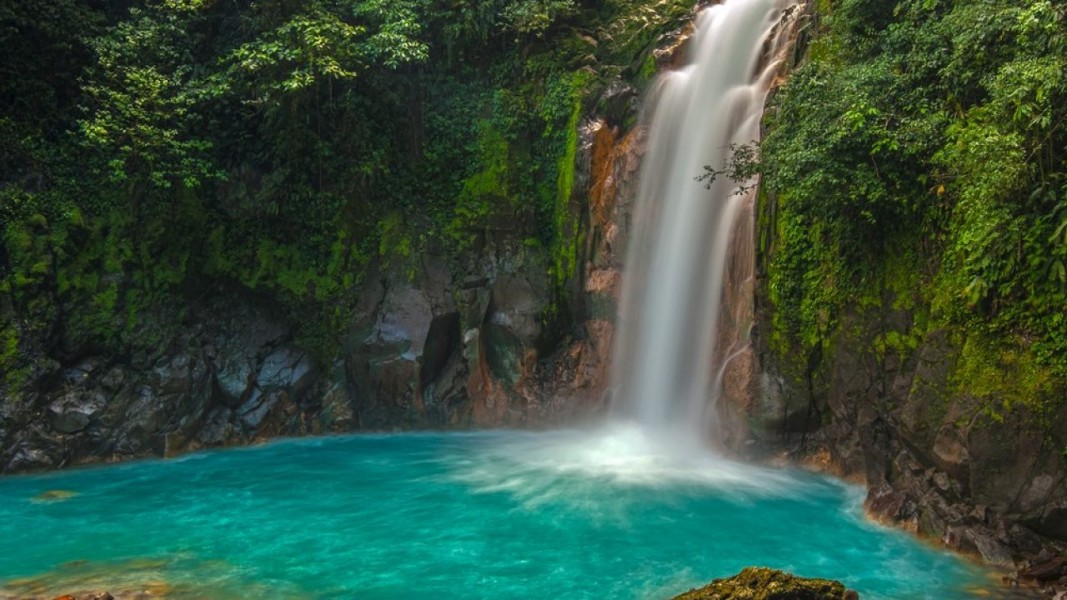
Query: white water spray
x: 671, y: 352
x: 668, y: 362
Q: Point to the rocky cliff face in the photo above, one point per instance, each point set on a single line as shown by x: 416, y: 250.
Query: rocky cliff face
x: 880, y: 401
x: 437, y: 351
x: 969, y: 472
x: 478, y: 342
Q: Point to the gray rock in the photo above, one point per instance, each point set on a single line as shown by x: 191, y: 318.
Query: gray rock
x: 403, y: 323
x: 145, y: 416
x: 619, y: 102
x: 234, y: 375
x: 248, y: 334
x: 258, y: 407
x: 337, y: 413
x: 218, y: 428
x: 284, y: 368
x: 950, y: 451
x: 172, y: 375
x: 114, y: 378
x: 73, y: 411
x: 28, y: 458
x: 991, y: 551
x: 942, y: 481
x: 517, y: 305
x: 1053, y: 520
x: 1036, y: 493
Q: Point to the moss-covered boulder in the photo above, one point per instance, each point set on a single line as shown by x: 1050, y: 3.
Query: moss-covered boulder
x: 757, y: 583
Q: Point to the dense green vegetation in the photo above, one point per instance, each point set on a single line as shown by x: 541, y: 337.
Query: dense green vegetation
x: 153, y: 149
x: 917, y: 157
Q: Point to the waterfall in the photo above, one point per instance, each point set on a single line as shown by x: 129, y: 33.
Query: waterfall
x: 672, y: 345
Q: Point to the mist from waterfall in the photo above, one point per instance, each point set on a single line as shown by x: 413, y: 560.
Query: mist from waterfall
x: 669, y: 354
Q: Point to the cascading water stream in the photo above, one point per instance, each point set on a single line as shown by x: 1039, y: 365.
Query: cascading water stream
x: 669, y: 354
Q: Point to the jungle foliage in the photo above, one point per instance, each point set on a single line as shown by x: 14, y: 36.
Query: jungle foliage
x: 152, y: 150
x: 918, y: 152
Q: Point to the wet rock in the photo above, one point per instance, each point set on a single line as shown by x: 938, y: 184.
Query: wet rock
x: 1052, y: 520
x: 672, y: 50
x: 80, y: 373
x: 1036, y: 493
x: 25, y: 456
x: 1045, y: 571
x: 234, y: 375
x: 755, y: 583
x: 931, y: 524
x: 505, y: 353
x: 218, y: 427
x: 406, y: 369
x: 256, y: 409
x: 403, y: 323
x: 516, y: 306
x: 906, y: 465
x: 474, y: 304
x: 888, y: 504
x: 513, y: 327
x: 114, y: 378
x: 942, y: 481
x: 979, y: 540
x: 54, y: 496
x: 247, y: 334
x: 145, y: 417
x: 284, y: 368
x: 172, y: 375
x: 935, y: 460
x: 72, y: 412
x: 619, y: 103
x: 950, y: 452
x: 337, y: 413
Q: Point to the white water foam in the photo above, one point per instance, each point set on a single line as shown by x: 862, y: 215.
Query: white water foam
x: 603, y: 471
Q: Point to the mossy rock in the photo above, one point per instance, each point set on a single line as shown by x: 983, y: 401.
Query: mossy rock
x: 756, y: 583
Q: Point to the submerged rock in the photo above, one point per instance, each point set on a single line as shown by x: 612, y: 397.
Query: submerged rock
x: 54, y: 496
x: 758, y: 583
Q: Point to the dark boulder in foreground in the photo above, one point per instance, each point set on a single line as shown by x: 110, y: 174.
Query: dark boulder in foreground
x: 757, y: 583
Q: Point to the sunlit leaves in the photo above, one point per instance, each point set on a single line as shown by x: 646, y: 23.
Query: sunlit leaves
x: 328, y: 41
x: 142, y: 100
x: 398, y: 37
x: 302, y: 50
x: 535, y: 16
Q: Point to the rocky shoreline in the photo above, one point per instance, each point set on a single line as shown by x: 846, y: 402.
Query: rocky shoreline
x: 986, y: 489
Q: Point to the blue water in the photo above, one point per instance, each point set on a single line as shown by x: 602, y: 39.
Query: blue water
x: 560, y: 515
